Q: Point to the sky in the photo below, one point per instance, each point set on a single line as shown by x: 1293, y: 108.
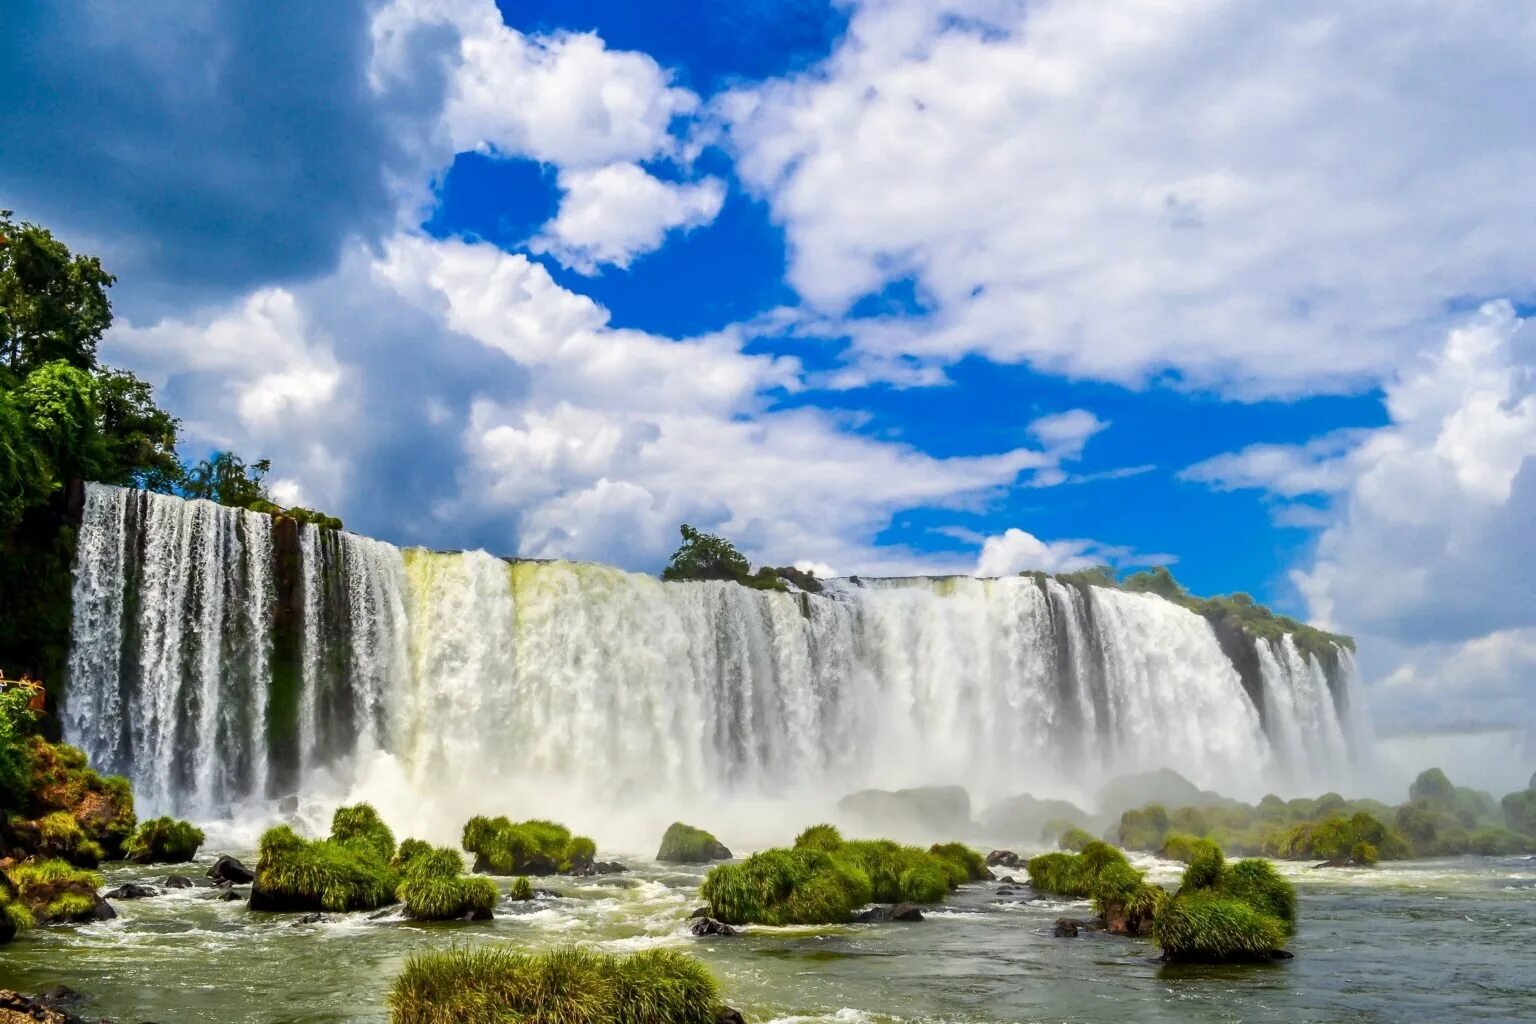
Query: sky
x: 869, y: 286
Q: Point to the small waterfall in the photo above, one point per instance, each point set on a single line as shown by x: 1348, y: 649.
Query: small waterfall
x: 222, y: 656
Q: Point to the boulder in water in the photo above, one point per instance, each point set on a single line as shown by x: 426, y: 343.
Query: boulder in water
x: 228, y: 869
x: 709, y: 926
x: 178, y: 882
x: 132, y: 891
x: 1067, y: 928
x: 906, y: 912
x: 1003, y: 858
x: 684, y: 844
x: 505, y: 847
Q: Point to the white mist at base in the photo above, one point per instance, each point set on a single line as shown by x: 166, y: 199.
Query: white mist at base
x: 443, y: 685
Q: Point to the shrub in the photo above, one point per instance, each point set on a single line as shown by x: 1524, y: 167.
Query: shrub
x: 434, y: 888
x: 1364, y: 854
x: 1257, y: 883
x: 684, y: 844
x: 891, y: 868
x: 522, y: 889
x: 1520, y: 811
x: 1074, y: 839
x: 408, y: 850
x: 965, y: 863
x: 1072, y: 874
x: 1205, y: 865
x: 497, y: 984
x: 1206, y: 925
x: 535, y: 847
x: 61, y: 780
x: 780, y: 886
x: 1178, y: 846
x: 295, y: 874
x: 819, y: 837
x: 360, y: 826
x: 1143, y: 829
x: 1122, y: 896
x: 163, y: 841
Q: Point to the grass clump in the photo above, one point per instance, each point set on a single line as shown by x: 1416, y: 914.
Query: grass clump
x: 1072, y: 874
x: 522, y: 889
x: 54, y: 891
x: 684, y: 844
x: 408, y: 850
x: 349, y: 871
x: 163, y: 841
x: 435, y: 888
x: 1222, y: 912
x: 965, y: 864
x: 1123, y: 897
x: 498, y: 984
x: 779, y: 887
x: 535, y: 847
x: 819, y: 837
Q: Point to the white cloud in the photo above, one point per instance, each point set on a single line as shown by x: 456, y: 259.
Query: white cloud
x: 1427, y: 544
x: 1264, y: 198
x: 1014, y: 551
x: 609, y: 215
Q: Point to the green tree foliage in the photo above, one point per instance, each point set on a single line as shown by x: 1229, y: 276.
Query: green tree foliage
x: 225, y: 478
x: 53, y: 304
x: 704, y: 556
x: 16, y: 722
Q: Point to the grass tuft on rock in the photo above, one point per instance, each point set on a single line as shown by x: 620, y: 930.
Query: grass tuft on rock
x: 684, y: 844
x: 1072, y: 874
x: 163, y: 841
x: 522, y: 889
x: 435, y: 888
x: 499, y: 984
x: 1075, y: 839
x: 779, y: 887
x: 349, y: 871
x: 535, y: 847
x: 55, y: 892
x: 964, y: 863
x: 1226, y: 912
x: 819, y: 837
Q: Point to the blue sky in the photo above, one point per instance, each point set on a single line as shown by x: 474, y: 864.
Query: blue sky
x: 878, y: 285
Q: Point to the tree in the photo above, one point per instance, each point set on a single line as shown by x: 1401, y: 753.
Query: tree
x: 1157, y: 581
x: 138, y: 437
x: 226, y: 479
x: 53, y: 304
x: 703, y: 556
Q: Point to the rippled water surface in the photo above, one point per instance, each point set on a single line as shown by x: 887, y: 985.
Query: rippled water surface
x: 1427, y: 941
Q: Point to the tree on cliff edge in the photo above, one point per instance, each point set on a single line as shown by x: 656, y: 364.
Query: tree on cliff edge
x: 703, y: 556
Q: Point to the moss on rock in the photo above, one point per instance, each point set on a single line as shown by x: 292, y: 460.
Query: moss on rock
x: 163, y: 841
x: 497, y: 984
x: 56, y: 892
x: 684, y: 844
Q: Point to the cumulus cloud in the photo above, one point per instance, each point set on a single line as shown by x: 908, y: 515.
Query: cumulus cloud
x: 1262, y: 198
x: 612, y: 214
x: 1426, y: 541
x: 1014, y: 551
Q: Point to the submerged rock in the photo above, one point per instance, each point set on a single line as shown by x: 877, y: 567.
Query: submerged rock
x: 228, y: 869
x: 709, y: 926
x: 730, y: 1016
x: 132, y: 891
x: 899, y: 912
x: 1066, y: 928
x: 178, y: 882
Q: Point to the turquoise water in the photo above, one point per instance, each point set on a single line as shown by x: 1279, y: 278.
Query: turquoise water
x: 1451, y: 940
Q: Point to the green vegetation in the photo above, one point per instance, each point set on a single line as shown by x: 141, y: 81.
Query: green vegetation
x: 535, y: 847
x: 684, y: 844
x: 1236, y: 612
x: 704, y: 556
x: 14, y: 915
x: 522, y: 889
x: 1072, y: 874
x: 434, y: 887
x: 500, y: 984
x: 824, y: 878
x: 16, y: 724
x: 61, y: 808
x: 55, y: 892
x: 1242, y: 911
x: 65, y: 417
x: 349, y: 871
x: 408, y: 851
x: 163, y: 841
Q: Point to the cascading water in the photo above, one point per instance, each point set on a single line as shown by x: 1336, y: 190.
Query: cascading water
x: 222, y: 656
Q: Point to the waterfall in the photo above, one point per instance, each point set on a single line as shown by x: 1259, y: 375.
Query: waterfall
x: 221, y: 656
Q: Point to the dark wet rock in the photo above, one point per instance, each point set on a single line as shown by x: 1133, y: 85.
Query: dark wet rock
x: 730, y: 1016
x: 61, y: 997
x: 1282, y: 954
x: 548, y: 894
x: 1338, y: 862
x: 379, y: 915
x: 227, y: 869
x: 709, y: 926
x: 1010, y: 891
x: 132, y: 891
x: 16, y: 1008
x: 899, y: 912
x: 232, y: 895
x: 1003, y: 859
x: 178, y: 882
x: 1007, y: 880
x: 1067, y: 927
x: 311, y: 919
x: 606, y: 867
x: 700, y: 912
